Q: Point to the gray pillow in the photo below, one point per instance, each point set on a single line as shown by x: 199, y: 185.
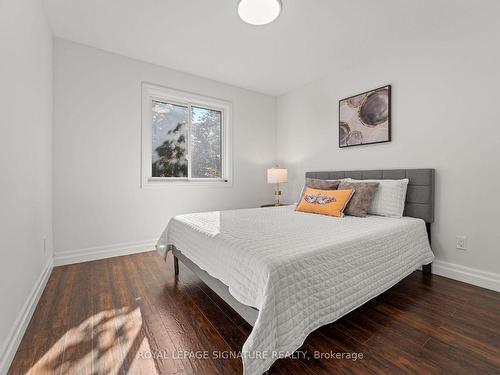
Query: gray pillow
x: 316, y: 183
x: 362, y: 197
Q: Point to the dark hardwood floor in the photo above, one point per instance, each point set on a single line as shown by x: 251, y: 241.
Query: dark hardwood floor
x: 129, y: 315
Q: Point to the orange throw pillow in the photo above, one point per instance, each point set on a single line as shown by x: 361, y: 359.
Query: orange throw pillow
x: 324, y: 202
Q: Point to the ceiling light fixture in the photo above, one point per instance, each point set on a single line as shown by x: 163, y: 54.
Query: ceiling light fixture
x: 259, y: 12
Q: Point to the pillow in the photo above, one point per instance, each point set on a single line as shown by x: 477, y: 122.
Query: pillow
x: 324, y: 202
x: 390, y: 197
x: 362, y: 197
x: 317, y: 183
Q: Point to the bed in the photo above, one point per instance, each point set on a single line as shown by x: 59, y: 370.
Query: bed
x: 287, y: 273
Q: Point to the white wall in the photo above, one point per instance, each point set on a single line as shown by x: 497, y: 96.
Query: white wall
x: 445, y: 115
x: 99, y: 205
x: 25, y: 164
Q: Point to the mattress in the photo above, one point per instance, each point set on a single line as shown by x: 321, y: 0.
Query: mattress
x: 300, y: 270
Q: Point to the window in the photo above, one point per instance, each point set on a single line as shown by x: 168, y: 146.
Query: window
x: 185, y: 138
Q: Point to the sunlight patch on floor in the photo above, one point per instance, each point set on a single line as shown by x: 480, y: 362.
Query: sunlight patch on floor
x: 105, y: 343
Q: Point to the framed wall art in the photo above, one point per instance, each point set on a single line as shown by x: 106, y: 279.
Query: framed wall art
x: 365, y: 118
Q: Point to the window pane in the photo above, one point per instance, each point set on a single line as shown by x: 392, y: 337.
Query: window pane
x: 206, y: 147
x: 169, y: 128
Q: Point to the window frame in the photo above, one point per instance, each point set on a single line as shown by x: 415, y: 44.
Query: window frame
x: 152, y: 92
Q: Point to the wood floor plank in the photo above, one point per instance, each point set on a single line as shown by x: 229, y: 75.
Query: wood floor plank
x: 106, y: 329
x: 419, y: 305
x: 378, y: 357
x: 488, y: 353
x: 78, y: 346
x: 50, y: 324
x: 233, y: 335
x: 134, y: 338
x: 208, y: 332
x: 130, y: 315
x: 46, y: 307
x: 193, y: 335
x: 161, y: 334
x: 456, y: 360
x: 22, y: 363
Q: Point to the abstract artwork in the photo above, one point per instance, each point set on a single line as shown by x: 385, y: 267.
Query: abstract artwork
x: 365, y: 118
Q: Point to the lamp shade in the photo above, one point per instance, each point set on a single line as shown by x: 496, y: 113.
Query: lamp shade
x: 277, y: 175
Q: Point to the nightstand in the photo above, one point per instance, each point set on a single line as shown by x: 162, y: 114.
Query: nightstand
x: 273, y: 205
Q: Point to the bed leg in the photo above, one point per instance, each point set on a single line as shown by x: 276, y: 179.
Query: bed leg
x: 176, y: 266
x: 427, y: 268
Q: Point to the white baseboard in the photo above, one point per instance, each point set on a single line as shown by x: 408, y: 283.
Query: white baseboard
x: 16, y: 334
x: 488, y: 280
x: 102, y: 252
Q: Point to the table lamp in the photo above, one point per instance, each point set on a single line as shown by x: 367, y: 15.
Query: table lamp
x: 277, y: 175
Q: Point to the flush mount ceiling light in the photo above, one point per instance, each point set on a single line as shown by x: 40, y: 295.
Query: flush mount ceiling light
x: 259, y: 12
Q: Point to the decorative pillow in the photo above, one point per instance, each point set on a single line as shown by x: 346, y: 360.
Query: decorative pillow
x: 362, y: 197
x: 317, y: 183
x: 324, y: 202
x: 390, y: 197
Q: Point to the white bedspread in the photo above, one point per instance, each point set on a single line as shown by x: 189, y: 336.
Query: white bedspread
x: 300, y: 270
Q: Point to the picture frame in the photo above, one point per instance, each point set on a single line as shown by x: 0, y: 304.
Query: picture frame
x: 365, y: 118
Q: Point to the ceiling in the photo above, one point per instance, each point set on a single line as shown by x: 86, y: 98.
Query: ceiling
x: 207, y: 38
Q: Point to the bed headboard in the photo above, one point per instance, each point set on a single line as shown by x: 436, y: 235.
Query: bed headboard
x: 420, y: 194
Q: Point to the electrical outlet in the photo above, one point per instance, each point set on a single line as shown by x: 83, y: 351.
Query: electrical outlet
x: 461, y: 243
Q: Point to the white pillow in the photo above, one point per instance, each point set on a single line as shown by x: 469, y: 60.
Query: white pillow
x: 390, y: 197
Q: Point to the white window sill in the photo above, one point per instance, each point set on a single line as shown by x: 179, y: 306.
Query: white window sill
x: 158, y: 183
